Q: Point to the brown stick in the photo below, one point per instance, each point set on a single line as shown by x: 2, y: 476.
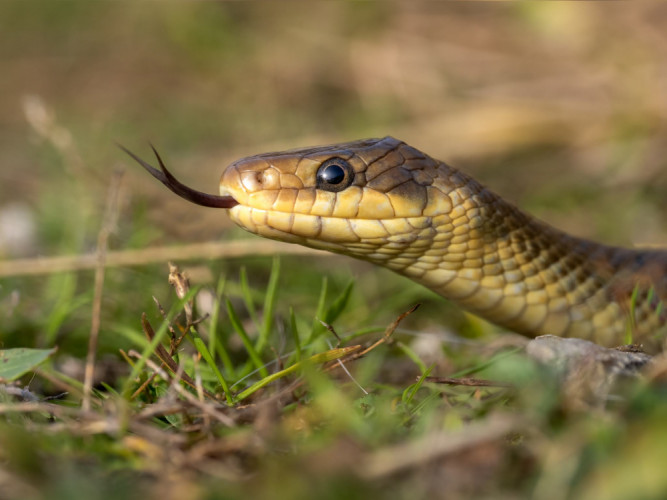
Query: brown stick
x: 125, y: 258
x: 110, y: 217
x: 467, y: 381
x: 204, y: 407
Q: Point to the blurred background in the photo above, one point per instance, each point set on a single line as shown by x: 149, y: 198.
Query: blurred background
x: 559, y: 107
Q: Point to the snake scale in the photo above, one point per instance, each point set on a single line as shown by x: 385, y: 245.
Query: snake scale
x: 386, y: 202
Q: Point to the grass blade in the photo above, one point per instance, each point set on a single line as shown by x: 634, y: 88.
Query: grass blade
x: 247, y: 295
x: 150, y: 348
x: 216, y: 340
x: 269, y: 305
x: 319, y: 358
x: 238, y: 327
x: 200, y: 345
x: 631, y: 324
x: 413, y: 356
x: 295, y: 333
x: 317, y: 327
x: 410, y: 391
x: 339, y: 304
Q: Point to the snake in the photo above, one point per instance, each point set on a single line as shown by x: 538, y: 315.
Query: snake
x: 386, y: 202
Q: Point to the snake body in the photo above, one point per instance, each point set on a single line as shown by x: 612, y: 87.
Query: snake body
x: 386, y: 202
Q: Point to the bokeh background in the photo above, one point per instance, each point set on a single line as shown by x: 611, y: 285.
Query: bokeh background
x: 559, y: 107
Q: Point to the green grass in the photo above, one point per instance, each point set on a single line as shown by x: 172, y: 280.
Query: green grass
x: 289, y: 422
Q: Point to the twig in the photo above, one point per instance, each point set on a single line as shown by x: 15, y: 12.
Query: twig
x: 204, y: 407
x: 43, y: 121
x: 175, y: 340
x: 341, y: 364
x: 394, y: 459
x: 181, y: 285
x: 59, y: 383
x: 209, y: 250
x: 33, y: 406
x: 108, y: 226
x: 388, y: 331
x: 467, y: 381
x: 386, y: 337
x: 167, y: 361
x: 200, y: 389
x: 332, y: 331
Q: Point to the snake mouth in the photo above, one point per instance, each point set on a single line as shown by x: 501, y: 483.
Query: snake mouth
x: 185, y: 192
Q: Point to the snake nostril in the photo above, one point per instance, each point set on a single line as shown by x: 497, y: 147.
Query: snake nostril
x: 252, y: 181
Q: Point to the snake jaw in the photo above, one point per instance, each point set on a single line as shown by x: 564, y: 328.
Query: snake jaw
x: 226, y: 193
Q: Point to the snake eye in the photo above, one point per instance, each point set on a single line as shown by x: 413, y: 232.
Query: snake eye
x: 334, y: 175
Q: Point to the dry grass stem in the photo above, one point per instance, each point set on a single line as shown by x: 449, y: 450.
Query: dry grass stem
x: 181, y: 285
x: 37, y: 407
x: 168, y: 361
x: 389, y: 331
x: 42, y: 119
x: 59, y: 383
x: 200, y: 390
x: 431, y: 447
x: 108, y: 226
x: 210, y: 250
x: 359, y: 352
x: 331, y: 330
x: 206, y: 408
x: 467, y: 381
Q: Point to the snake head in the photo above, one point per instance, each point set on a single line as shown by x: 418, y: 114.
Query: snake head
x: 370, y: 199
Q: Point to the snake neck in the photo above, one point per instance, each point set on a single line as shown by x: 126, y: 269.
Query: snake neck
x: 518, y: 272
